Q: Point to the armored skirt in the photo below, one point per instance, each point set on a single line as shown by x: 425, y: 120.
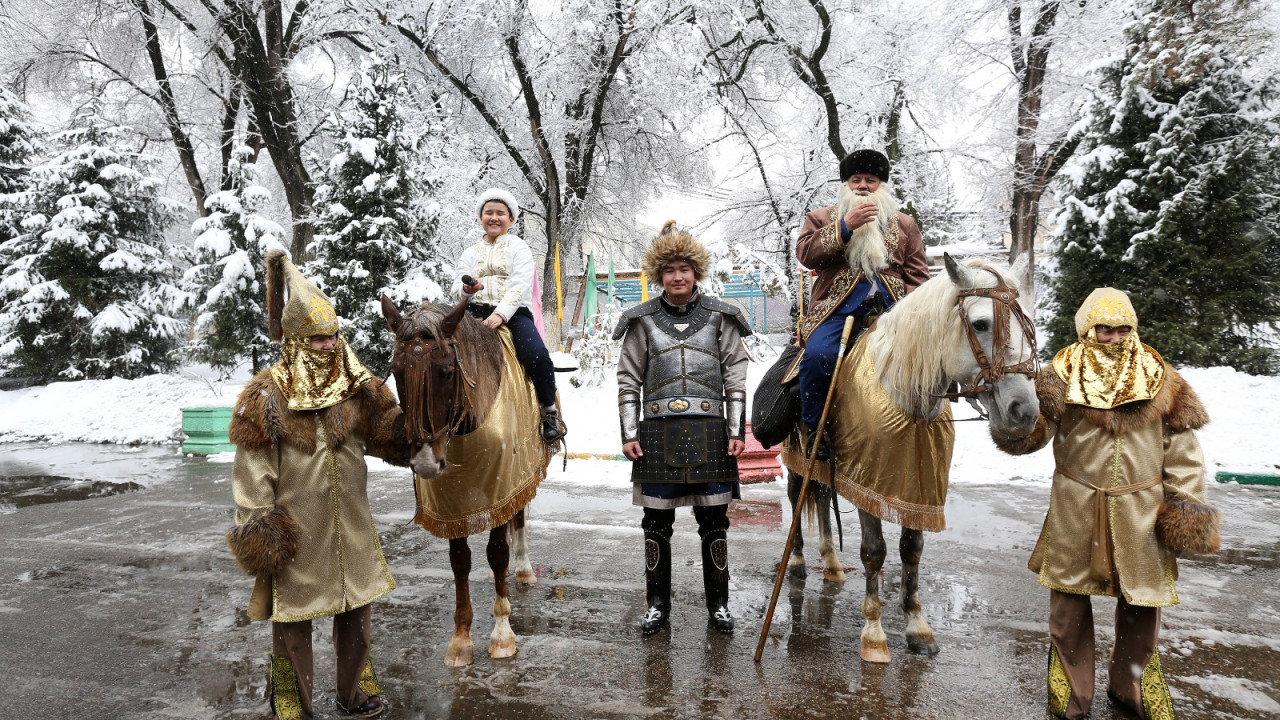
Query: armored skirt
x: 686, y: 462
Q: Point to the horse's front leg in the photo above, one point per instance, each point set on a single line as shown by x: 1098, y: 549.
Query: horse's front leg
x: 502, y: 643
x: 459, y: 652
x: 875, y: 646
x: 795, y: 562
x: 919, y: 634
x: 520, y: 552
x: 832, y: 568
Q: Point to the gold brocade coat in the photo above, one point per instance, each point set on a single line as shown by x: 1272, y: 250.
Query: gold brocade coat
x: 1145, y: 443
x: 300, y: 488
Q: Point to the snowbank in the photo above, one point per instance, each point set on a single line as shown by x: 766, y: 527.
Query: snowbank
x: 148, y: 410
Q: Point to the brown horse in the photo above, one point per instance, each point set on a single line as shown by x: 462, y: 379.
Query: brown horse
x: 472, y: 422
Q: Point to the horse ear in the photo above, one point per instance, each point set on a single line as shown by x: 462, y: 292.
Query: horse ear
x: 1022, y: 272
x: 1019, y: 269
x: 450, y: 322
x: 961, y: 275
x: 392, y: 313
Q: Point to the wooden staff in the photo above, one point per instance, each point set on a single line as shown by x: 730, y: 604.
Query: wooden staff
x: 804, y: 487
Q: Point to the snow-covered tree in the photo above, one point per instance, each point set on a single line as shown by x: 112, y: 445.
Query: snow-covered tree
x: 597, y: 351
x: 1175, y: 195
x: 91, y: 292
x: 374, y: 223
x: 20, y: 142
x: 228, y: 277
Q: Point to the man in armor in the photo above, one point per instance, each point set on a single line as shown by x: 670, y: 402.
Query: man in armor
x: 683, y: 369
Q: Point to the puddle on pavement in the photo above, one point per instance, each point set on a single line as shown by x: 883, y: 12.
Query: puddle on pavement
x: 18, y: 491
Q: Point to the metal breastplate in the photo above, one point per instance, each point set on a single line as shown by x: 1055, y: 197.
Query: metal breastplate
x: 684, y: 361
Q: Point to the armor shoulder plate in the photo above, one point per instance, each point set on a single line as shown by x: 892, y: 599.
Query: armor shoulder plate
x: 633, y: 312
x: 733, y: 312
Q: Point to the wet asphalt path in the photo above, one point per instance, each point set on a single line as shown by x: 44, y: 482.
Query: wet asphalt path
x: 130, y: 606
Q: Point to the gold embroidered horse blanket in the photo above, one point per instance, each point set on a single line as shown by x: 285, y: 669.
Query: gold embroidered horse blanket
x: 887, y: 462
x: 492, y: 472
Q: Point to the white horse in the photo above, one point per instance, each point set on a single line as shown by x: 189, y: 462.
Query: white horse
x: 890, y: 427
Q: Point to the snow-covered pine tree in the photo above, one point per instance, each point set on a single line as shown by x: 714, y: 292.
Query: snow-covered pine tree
x: 1175, y: 192
x: 228, y: 277
x: 375, y: 233
x: 90, y: 292
x: 20, y: 142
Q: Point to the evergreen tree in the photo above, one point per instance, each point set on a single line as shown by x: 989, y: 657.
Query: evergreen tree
x: 228, y: 277
x: 375, y: 232
x: 20, y: 143
x: 90, y: 293
x: 1175, y: 195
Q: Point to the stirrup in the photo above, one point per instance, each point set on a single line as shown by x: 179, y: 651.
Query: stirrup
x: 553, y: 428
x: 722, y: 620
x: 654, y: 619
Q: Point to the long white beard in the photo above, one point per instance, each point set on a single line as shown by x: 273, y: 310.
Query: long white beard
x: 866, y: 249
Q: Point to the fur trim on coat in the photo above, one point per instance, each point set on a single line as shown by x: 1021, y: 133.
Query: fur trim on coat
x: 674, y: 244
x: 1188, y: 526
x: 265, y: 545
x: 262, y: 418
x: 1177, y: 405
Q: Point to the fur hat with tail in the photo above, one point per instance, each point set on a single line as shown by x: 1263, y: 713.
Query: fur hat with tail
x: 674, y: 244
x: 275, y: 294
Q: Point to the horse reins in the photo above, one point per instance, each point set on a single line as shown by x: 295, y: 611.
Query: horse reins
x: 1005, y: 302
x: 414, y: 359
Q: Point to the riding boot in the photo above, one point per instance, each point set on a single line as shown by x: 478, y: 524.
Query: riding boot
x: 715, y: 578
x: 552, y: 428
x: 657, y: 580
x: 824, y: 445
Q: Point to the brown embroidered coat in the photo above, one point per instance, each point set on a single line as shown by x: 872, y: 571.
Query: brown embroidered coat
x: 303, y: 525
x: 1146, y: 481
x: 820, y: 248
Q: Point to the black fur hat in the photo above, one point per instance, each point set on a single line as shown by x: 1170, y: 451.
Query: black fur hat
x: 864, y: 161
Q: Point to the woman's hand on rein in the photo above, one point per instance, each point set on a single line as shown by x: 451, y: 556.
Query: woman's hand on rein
x: 494, y: 321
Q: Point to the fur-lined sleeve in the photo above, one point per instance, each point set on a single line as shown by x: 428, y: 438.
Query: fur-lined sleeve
x: 1050, y: 393
x: 385, y: 423
x: 1185, y: 521
x: 264, y: 536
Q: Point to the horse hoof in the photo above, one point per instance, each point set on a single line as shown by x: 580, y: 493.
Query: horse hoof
x: 796, y: 569
x: 922, y: 646
x: 499, y: 650
x: 836, y: 575
x: 875, y: 652
x: 526, y: 577
x: 459, y: 653
x: 458, y: 658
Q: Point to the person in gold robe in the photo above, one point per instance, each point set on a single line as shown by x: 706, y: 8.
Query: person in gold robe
x: 1128, y: 497
x: 303, y: 527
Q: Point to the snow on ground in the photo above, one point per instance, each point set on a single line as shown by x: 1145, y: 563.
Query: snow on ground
x: 148, y: 410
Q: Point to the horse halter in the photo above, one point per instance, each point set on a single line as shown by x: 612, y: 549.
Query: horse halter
x: 413, y: 358
x: 1004, y: 300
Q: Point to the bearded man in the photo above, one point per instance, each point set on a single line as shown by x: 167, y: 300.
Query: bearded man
x: 868, y: 256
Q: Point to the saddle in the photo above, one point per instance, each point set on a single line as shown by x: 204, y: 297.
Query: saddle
x: 775, y: 406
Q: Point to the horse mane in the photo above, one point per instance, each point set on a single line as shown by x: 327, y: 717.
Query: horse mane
x: 479, y: 351
x: 915, y: 344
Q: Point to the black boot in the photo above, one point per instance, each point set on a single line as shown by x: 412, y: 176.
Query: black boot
x: 715, y: 579
x: 657, y: 580
x: 553, y: 428
x: 824, y: 453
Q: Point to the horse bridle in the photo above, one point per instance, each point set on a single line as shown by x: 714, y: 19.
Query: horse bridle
x: 413, y: 358
x: 1005, y: 302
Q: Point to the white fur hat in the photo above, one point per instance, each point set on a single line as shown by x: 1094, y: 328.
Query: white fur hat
x: 501, y: 196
